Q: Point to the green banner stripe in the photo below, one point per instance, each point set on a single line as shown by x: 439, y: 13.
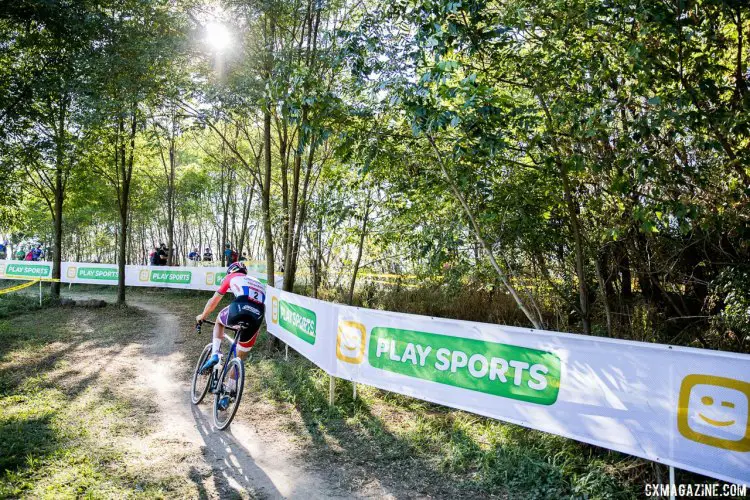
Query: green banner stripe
x: 298, y: 321
x: 502, y: 370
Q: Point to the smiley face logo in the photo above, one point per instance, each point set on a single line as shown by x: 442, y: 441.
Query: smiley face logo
x: 71, y: 274
x: 715, y: 411
x: 143, y: 275
x: 350, y: 342
x: 209, y: 278
x: 275, y: 310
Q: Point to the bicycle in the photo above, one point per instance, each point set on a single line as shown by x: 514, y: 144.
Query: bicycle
x: 215, y: 379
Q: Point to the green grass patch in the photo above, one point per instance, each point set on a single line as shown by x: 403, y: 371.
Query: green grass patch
x: 60, y: 424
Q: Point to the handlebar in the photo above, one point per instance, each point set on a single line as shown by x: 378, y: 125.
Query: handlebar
x: 200, y: 323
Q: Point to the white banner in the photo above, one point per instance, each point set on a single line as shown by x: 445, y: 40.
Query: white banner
x: 307, y: 325
x: 685, y: 407
x: 193, y: 278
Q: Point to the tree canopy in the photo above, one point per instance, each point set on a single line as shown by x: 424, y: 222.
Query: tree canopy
x: 586, y: 163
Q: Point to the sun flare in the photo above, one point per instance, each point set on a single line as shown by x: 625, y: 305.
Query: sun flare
x: 217, y: 36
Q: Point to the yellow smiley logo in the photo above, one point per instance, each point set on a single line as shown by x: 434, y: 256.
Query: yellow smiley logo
x: 350, y: 342
x: 715, y: 411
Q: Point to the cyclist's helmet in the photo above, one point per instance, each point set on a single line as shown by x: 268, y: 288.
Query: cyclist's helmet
x: 236, y: 267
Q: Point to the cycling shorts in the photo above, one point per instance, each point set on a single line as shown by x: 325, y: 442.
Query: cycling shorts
x: 243, y: 310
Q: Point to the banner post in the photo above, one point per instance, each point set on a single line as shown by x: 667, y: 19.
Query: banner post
x: 331, y: 390
x: 286, y: 352
x: 40, y: 293
x: 671, y: 483
x: 354, y: 391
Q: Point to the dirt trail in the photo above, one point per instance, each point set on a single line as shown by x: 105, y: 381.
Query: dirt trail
x: 238, y: 461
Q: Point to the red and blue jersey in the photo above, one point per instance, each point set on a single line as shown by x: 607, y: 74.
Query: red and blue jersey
x: 242, y: 285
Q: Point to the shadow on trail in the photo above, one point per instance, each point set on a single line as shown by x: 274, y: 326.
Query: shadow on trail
x: 230, y: 455
x: 361, y: 450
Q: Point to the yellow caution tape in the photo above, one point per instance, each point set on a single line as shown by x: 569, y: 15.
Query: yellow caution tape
x: 18, y: 287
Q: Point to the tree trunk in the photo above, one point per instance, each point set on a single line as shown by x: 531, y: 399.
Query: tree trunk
x: 583, y: 292
x: 124, y: 198
x: 59, y: 198
x: 359, y: 249
x: 605, y: 298
x: 57, y: 248
x: 478, y: 235
x: 170, y: 202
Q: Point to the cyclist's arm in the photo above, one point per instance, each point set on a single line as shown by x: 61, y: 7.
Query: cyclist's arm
x: 210, y: 306
x: 214, y: 301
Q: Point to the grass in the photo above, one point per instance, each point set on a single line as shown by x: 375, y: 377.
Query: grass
x: 14, y: 303
x: 405, y: 446
x: 62, y: 426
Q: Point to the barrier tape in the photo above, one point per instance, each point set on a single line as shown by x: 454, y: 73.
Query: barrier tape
x: 18, y: 287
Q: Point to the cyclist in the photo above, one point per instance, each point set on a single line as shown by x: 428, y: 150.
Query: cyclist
x: 247, y: 307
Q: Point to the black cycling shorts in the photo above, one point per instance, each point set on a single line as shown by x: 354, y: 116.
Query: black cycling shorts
x: 243, y: 310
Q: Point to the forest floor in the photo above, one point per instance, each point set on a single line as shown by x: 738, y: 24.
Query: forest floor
x: 95, y: 402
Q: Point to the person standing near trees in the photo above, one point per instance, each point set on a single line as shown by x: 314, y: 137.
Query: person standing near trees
x: 229, y: 254
x: 162, y: 254
x: 20, y: 254
x: 154, y: 259
x: 208, y: 256
x: 194, y: 257
x: 37, y: 253
x: 3, y: 249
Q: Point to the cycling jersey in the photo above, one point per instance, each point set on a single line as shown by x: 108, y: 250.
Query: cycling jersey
x: 242, y: 285
x: 247, y: 307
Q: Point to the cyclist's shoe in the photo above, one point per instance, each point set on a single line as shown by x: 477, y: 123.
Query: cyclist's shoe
x: 210, y: 363
x: 224, y: 403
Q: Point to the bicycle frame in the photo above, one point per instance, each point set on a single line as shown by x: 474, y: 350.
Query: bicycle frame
x: 232, y: 349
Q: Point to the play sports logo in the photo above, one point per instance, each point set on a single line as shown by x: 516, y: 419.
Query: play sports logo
x: 508, y: 371
x: 28, y: 270
x: 94, y: 273
x: 295, y: 319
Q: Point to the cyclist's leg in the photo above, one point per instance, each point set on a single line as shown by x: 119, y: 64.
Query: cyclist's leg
x: 221, y: 322
x: 218, y: 335
x: 244, y: 346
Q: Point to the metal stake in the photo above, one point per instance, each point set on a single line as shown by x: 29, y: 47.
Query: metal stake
x: 286, y: 352
x: 331, y: 389
x: 40, y: 293
x: 354, y: 391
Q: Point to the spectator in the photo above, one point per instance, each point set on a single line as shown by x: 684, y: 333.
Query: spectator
x: 20, y: 254
x: 229, y: 254
x: 162, y: 253
x: 243, y: 258
x: 194, y: 257
x: 30, y: 255
x: 207, y: 255
x: 154, y: 259
x: 37, y: 253
x: 3, y: 249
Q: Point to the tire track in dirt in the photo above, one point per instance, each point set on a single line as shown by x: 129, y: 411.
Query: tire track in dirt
x: 241, y: 461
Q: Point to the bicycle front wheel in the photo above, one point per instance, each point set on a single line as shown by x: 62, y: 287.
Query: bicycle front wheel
x: 201, y: 381
x: 229, y: 393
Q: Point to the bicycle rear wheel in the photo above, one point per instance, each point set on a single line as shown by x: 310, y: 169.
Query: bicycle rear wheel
x: 227, y: 399
x: 201, y: 381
